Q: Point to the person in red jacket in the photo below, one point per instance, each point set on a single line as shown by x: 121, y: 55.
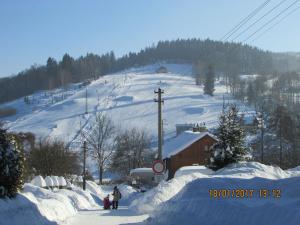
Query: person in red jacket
x: 106, y: 202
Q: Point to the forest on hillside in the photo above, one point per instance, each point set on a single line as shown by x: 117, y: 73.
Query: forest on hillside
x: 228, y: 58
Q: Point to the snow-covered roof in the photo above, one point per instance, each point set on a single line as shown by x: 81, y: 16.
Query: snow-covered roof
x: 182, y: 141
x: 186, y: 170
x: 141, y: 170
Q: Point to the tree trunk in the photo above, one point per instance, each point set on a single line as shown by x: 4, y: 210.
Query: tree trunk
x: 100, y: 174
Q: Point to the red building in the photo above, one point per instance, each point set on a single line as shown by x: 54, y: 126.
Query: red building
x: 187, y: 149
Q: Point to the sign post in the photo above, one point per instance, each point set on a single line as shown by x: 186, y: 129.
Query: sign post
x: 158, y: 168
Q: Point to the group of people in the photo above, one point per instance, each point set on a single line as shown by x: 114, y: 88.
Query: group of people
x: 116, y: 197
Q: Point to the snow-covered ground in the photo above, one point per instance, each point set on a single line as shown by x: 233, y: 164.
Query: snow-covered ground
x: 221, y: 198
x: 36, y: 206
x: 193, y: 197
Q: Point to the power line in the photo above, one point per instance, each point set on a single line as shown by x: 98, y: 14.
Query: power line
x: 259, y: 19
x: 271, y: 20
x: 244, y: 21
x: 276, y: 23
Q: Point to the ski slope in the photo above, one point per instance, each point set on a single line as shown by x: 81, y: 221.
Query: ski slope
x: 127, y: 97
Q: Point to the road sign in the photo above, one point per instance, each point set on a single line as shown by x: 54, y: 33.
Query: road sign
x: 158, y: 167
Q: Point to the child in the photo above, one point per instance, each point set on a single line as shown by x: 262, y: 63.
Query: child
x: 106, y: 203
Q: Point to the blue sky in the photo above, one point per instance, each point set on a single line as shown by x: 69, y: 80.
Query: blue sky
x: 33, y: 30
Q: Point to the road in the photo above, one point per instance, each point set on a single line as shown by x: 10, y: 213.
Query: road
x: 106, y: 217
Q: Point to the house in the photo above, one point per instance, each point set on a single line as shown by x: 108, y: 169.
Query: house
x: 161, y: 69
x: 187, y: 149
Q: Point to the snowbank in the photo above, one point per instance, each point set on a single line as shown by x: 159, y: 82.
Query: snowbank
x: 194, y: 205
x: 294, y: 171
x: 163, y: 192
x: 36, y: 205
x: 167, y: 190
x: 249, y: 170
x: 49, y: 181
x: 38, y: 181
x: 192, y: 197
x: 95, y: 189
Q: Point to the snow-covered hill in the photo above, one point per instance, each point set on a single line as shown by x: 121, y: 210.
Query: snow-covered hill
x: 127, y: 97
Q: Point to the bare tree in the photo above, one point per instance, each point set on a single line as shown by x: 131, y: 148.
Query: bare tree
x: 52, y: 158
x: 132, y: 150
x: 100, y: 141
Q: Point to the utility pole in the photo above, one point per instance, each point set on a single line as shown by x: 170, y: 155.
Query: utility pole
x: 261, y: 126
x: 84, y: 159
x: 159, y: 100
x: 86, y: 103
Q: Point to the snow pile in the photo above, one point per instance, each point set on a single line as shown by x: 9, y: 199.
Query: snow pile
x: 196, y: 198
x: 128, y: 193
x: 36, y: 205
x: 38, y: 181
x: 163, y: 192
x: 194, y: 205
x: 294, y: 171
x: 95, y: 189
x: 252, y: 169
x: 49, y: 181
x: 62, y: 181
x: 55, y: 181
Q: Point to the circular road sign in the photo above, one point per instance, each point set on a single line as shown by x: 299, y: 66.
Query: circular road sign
x: 158, y: 167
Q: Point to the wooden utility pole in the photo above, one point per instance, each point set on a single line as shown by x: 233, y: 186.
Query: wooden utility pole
x: 159, y: 100
x: 84, y: 170
x: 261, y: 126
x: 86, y: 102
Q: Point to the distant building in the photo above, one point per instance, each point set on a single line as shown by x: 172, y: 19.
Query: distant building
x: 187, y: 149
x: 142, y: 177
x: 190, y: 126
x: 161, y: 69
x: 183, y: 127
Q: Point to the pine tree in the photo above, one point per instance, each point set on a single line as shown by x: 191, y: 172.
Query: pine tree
x: 209, y: 83
x: 282, y: 123
x: 251, y: 97
x: 11, y: 165
x: 230, y: 147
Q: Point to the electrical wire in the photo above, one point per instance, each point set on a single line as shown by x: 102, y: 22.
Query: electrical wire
x: 271, y: 20
x: 259, y: 19
x: 291, y: 12
x: 244, y: 21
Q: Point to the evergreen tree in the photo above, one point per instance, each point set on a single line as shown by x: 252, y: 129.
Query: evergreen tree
x: 230, y: 147
x: 251, y: 97
x: 282, y: 123
x: 11, y: 165
x: 209, y: 83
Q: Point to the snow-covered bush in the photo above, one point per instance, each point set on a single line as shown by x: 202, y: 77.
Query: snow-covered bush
x: 11, y: 165
x: 55, y: 181
x: 49, y: 182
x: 62, y: 182
x: 38, y: 181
